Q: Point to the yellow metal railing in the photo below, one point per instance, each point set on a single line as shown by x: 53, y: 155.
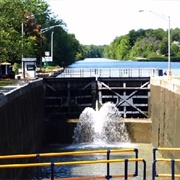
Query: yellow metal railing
x: 107, y: 161
x: 67, y: 153
x: 173, y: 175
x: 52, y: 165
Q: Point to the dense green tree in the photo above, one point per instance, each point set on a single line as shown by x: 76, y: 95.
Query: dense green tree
x: 21, y: 33
x: 175, y: 34
x: 175, y: 49
x: 144, y: 44
x: 163, y: 48
x: 93, y: 51
x: 18, y: 24
x: 133, y: 35
x: 123, y: 48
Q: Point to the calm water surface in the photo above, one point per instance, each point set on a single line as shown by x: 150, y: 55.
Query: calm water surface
x: 145, y: 152
x: 108, y: 63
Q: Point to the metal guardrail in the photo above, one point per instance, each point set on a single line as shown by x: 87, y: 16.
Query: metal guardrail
x: 110, y: 72
x: 173, y: 175
x: 126, y: 175
x: 53, y: 164
x: 108, y: 176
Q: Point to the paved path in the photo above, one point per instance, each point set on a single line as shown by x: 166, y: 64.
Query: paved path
x: 9, y: 88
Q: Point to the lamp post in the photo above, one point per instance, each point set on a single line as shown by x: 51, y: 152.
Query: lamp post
x: 28, y: 16
x: 22, y: 34
x: 52, y: 45
x: 169, y: 40
x: 45, y: 30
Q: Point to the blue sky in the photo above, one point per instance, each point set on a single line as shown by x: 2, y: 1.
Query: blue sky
x: 99, y: 22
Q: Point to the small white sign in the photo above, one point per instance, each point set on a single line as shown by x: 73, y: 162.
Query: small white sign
x: 47, y: 53
x: 47, y: 59
x: 29, y: 59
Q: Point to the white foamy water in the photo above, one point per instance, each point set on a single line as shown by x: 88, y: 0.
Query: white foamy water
x: 105, y: 126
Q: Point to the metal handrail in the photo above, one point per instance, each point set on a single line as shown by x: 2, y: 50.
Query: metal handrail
x: 155, y: 160
x: 51, y: 164
x: 110, y: 72
x: 38, y: 164
x: 19, y: 156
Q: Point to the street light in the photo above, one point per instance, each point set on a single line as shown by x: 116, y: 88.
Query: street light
x: 28, y: 16
x: 52, y: 45
x: 45, y: 30
x: 22, y: 34
x: 49, y: 28
x: 169, y: 39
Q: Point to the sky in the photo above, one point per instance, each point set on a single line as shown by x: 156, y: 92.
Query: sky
x: 99, y: 22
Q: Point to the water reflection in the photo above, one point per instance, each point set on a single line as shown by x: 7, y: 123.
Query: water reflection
x: 145, y: 151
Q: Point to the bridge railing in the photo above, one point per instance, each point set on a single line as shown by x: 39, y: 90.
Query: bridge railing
x: 111, y: 72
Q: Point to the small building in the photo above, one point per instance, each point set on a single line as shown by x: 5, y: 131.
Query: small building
x: 29, y: 68
x: 6, y: 70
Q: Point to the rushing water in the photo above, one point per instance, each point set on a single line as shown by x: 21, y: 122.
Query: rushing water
x: 101, y: 126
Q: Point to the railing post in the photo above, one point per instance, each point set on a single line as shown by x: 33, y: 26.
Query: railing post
x: 154, y: 158
x: 52, y: 170
x: 154, y: 170
x: 37, y: 168
x: 136, y: 163
x: 144, y: 175
x: 173, y: 169
x: 126, y: 169
x: 108, y: 166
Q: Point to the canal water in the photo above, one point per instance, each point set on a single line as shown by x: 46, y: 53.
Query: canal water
x: 97, y: 130
x: 109, y: 63
x: 102, y: 129
x: 67, y: 171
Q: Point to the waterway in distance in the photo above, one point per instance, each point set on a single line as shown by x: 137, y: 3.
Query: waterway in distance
x: 94, y: 63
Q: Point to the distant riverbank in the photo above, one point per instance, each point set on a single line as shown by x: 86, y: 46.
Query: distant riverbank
x: 173, y: 59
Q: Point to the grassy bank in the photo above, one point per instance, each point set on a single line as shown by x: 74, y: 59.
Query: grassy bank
x: 6, y: 82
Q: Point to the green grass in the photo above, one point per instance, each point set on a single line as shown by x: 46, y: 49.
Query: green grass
x: 6, y: 82
x: 48, y: 68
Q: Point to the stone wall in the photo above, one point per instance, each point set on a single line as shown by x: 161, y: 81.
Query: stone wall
x: 21, y: 119
x: 165, y: 113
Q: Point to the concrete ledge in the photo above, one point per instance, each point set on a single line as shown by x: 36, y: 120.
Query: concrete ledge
x: 18, y: 90
x: 139, y: 130
x: 170, y: 83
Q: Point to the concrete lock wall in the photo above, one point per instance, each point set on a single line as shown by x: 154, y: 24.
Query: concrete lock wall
x: 22, y: 114
x: 21, y: 119
x: 165, y: 113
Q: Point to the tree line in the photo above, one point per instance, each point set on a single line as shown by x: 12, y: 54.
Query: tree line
x: 150, y: 44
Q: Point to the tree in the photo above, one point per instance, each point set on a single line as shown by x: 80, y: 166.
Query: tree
x: 17, y: 23
x: 175, y: 34
x: 140, y: 44
x: 163, y: 46
x: 123, y: 48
